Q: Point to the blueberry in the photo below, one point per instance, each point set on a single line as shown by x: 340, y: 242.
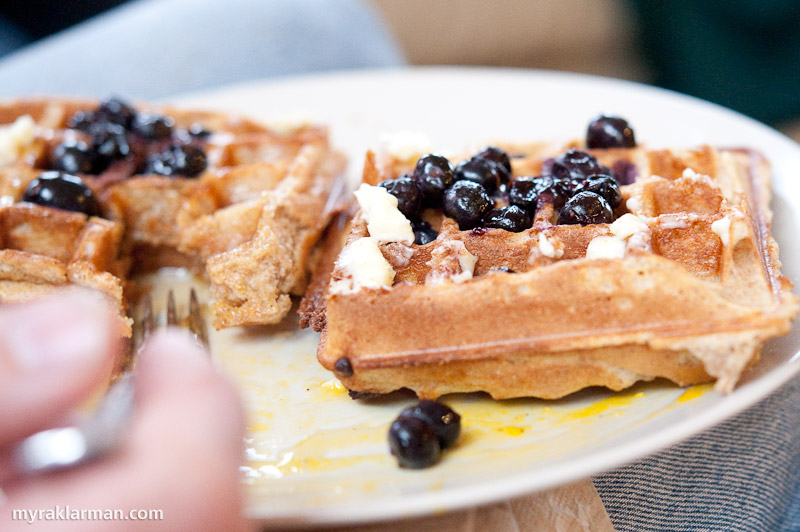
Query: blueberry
x: 183, y: 160
x: 413, y: 442
x: 109, y: 141
x: 152, y: 126
x: 423, y: 232
x: 604, y: 185
x: 525, y: 192
x: 497, y: 156
x: 434, y: 174
x: 409, y: 197
x: 115, y: 111
x: 576, y: 164
x: 511, y: 218
x: 82, y: 120
x: 500, y: 158
x: 467, y: 202
x: 62, y: 191
x: 610, y: 132
x: 586, y: 208
x: 625, y: 172
x: 444, y: 421
x: 481, y: 171
x: 199, y: 131
x: 75, y: 157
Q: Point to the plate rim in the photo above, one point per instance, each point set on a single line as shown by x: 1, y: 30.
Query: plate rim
x: 473, y: 494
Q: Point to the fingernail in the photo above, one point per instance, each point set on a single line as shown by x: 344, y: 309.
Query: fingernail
x: 72, y: 329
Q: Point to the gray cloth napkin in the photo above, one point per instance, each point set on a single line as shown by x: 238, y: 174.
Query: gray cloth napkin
x: 742, y: 475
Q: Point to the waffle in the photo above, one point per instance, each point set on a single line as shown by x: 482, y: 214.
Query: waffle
x: 245, y: 222
x: 691, y: 297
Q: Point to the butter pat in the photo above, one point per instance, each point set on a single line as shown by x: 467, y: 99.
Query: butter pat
x: 385, y: 222
x: 363, y: 266
x: 722, y: 228
x: 466, y: 261
x: 548, y: 249
x: 628, y: 224
x: 15, y: 138
x: 451, y: 262
x: 634, y: 204
x: 606, y: 247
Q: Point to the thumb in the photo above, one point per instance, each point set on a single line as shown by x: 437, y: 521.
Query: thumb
x: 53, y: 353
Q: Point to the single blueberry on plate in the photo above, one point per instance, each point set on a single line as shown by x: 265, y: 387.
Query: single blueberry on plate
x: 413, y: 442
x: 446, y: 423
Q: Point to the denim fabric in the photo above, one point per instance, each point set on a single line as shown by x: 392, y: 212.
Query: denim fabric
x: 739, y: 476
x: 12, y: 37
x: 154, y: 48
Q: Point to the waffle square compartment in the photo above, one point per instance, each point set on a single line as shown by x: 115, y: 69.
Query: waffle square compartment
x: 684, y: 284
x: 247, y: 219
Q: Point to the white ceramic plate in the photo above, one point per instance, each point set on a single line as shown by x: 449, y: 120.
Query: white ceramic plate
x: 315, y: 456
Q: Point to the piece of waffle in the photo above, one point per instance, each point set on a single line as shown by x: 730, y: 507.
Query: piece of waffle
x: 695, y: 295
x: 248, y: 221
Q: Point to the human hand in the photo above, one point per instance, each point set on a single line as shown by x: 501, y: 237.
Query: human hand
x: 181, y: 454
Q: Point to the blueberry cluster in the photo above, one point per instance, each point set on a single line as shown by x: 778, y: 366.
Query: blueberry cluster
x: 115, y: 131
x: 479, y: 191
x: 580, y: 189
x: 464, y: 192
x: 421, y: 432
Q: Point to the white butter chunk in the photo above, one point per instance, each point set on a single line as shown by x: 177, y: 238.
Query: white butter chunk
x: 628, y: 224
x: 689, y: 173
x: 634, y: 204
x: 363, y: 266
x: 450, y: 262
x: 548, y: 249
x: 605, y: 247
x: 385, y: 222
x: 722, y: 228
x: 15, y: 138
x: 466, y: 262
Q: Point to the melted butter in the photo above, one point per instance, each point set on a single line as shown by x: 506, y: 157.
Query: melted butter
x: 514, y: 431
x: 694, y: 392
x: 309, y: 444
x: 604, y: 406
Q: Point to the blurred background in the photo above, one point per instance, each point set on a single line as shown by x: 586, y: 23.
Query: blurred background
x: 743, y: 54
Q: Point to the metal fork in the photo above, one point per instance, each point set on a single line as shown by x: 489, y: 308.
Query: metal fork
x: 66, y: 447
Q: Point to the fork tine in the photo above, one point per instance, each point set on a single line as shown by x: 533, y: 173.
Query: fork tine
x: 172, y: 314
x: 147, y: 317
x: 142, y: 328
x: 195, y: 320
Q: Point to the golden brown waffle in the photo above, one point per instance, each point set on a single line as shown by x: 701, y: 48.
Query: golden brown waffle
x: 696, y: 294
x: 248, y: 221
